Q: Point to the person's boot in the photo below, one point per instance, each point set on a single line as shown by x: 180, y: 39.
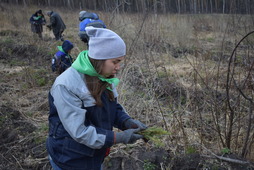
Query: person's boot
x: 40, y: 35
x: 61, y: 38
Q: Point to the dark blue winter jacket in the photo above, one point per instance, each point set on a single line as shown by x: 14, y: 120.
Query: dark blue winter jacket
x: 91, y: 22
x: 80, y: 132
x: 62, y: 60
x: 37, y: 22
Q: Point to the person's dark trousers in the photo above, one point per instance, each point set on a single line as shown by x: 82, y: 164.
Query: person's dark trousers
x: 54, y: 166
x: 40, y: 35
x: 59, y: 36
x: 86, y: 42
x: 84, y: 38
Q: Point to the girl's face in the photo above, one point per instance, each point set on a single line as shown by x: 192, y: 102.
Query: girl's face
x: 111, y: 66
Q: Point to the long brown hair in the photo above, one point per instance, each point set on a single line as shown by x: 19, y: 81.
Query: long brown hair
x: 95, y: 85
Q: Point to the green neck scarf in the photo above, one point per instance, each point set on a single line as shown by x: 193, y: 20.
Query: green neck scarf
x: 36, y: 18
x: 60, y: 48
x: 83, y: 65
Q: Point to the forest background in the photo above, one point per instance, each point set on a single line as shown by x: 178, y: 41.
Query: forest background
x: 188, y: 69
x: 155, y: 6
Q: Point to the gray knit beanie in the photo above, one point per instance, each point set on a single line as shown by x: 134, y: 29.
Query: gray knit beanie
x: 49, y: 13
x: 104, y: 44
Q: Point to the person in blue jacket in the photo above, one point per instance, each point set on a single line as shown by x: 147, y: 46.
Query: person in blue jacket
x: 88, y: 19
x: 62, y: 59
x: 37, y: 20
x: 84, y: 107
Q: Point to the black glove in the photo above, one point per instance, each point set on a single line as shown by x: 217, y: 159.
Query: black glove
x: 128, y: 136
x: 133, y: 124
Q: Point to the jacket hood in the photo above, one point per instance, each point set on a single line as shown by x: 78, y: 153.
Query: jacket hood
x: 67, y: 45
x: 49, y: 13
x: 84, y: 14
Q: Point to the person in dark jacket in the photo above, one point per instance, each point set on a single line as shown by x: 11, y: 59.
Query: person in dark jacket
x: 56, y: 24
x: 84, y: 107
x: 88, y: 19
x: 37, y: 21
x: 62, y: 59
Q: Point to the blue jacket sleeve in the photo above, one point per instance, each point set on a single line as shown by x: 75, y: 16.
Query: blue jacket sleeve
x: 31, y: 20
x: 42, y: 20
x: 83, y: 24
x: 122, y: 116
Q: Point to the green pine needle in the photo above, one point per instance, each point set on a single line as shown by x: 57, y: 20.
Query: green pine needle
x: 154, y: 134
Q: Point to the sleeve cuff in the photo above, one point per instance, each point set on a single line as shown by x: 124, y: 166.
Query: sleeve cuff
x: 110, y: 137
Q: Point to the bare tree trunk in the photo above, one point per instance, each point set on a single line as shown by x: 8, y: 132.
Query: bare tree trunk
x: 202, y: 6
x: 164, y: 6
x: 179, y: 6
x: 80, y: 6
x: 223, y: 7
x: 198, y: 6
x: 94, y: 4
x: 211, y: 6
x: 117, y: 6
x: 216, y: 6
x: 155, y: 7
x: 195, y: 6
x: 247, y: 6
x: 144, y: 7
x: 190, y: 4
x: 24, y: 2
x: 184, y: 7
x: 233, y: 6
x: 68, y: 4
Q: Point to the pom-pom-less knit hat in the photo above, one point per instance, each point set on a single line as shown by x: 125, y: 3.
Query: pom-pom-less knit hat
x: 49, y: 13
x: 104, y: 44
x: 67, y: 46
x: 39, y: 11
x: 81, y: 13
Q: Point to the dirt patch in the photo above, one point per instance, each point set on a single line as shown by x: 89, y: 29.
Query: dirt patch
x: 22, y: 137
x: 137, y: 158
x: 140, y: 158
x: 18, y: 141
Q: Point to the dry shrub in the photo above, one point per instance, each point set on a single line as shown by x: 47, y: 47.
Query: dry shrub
x: 185, y: 94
